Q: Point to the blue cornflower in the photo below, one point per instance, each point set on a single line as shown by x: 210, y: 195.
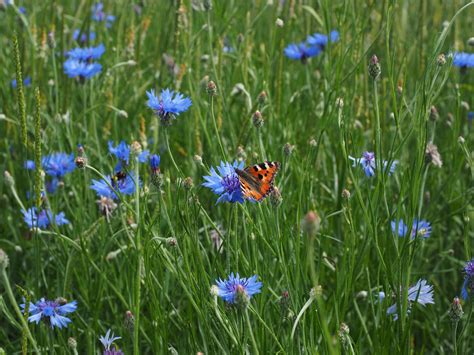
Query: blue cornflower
x: 99, y: 15
x: 421, y: 293
x: 169, y: 105
x: 321, y: 40
x: 22, y: 9
x: 125, y: 186
x: 77, y: 68
x: 463, y: 59
x: 87, y: 54
x: 26, y: 82
x: 420, y: 228
x: 84, y: 37
x: 58, y: 164
x: 121, y: 151
x: 155, y: 162
x: 368, y: 164
x: 229, y: 289
x: 52, y: 311
x: 30, y: 165
x: 301, y: 51
x: 227, y: 184
x: 107, y: 342
x: 468, y: 285
x: 43, y: 219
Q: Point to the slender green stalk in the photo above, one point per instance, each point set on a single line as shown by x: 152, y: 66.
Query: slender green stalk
x: 20, y: 92
x: 38, y: 171
x: 14, y: 304
x: 214, y: 122
x: 138, y: 275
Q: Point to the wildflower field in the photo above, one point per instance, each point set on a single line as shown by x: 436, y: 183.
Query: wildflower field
x: 236, y: 176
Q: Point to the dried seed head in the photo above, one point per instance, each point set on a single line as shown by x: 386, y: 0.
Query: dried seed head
x: 136, y: 148
x: 241, y: 154
x: 441, y: 60
x: 197, y: 159
x: 288, y: 149
x: 214, y: 290
x: 316, y: 291
x: 470, y: 41
x: 4, y: 261
x: 81, y: 162
x: 432, y: 155
x: 340, y: 102
x: 275, y: 197
x: 188, y: 183
x: 346, y: 194
x: 72, y: 343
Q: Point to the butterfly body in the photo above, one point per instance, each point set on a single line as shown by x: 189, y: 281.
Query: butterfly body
x: 256, y: 181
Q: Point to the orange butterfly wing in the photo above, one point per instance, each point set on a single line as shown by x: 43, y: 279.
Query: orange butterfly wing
x: 257, y: 181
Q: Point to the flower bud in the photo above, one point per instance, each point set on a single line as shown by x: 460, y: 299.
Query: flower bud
x: 214, y: 290
x: 434, y: 115
x: 340, y: 102
x: 257, y: 119
x: 4, y: 261
x: 470, y: 41
x: 72, y: 343
x: 211, y: 88
x: 241, y: 297
x: 172, y: 242
x: 262, y: 98
x: 9, y: 179
x: 374, y: 67
x: 455, y: 310
x: 279, y: 22
x: 311, y: 223
x: 197, y: 159
x: 129, y: 321
x: 316, y: 291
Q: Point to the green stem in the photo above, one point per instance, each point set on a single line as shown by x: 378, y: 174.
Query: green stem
x: 250, y: 330
x: 216, y: 129
x: 171, y: 154
x: 9, y: 291
x: 136, y: 329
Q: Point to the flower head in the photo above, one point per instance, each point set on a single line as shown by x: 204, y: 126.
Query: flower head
x: 169, y: 105
x: 421, y: 293
x: 77, y: 68
x: 107, y: 342
x: 229, y: 289
x: 121, y: 151
x: 87, y: 54
x: 155, y: 162
x: 83, y: 37
x: 58, y: 164
x: 468, y: 285
x: 463, y: 59
x: 126, y: 186
x: 368, y: 164
x: 26, y: 82
x: 43, y: 219
x: 51, y: 311
x: 301, y: 51
x: 227, y: 184
x: 99, y: 15
x: 321, y: 40
x: 421, y: 228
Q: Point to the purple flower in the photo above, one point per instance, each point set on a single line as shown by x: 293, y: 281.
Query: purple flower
x: 169, y: 105
x: 26, y: 82
x: 229, y: 289
x: 84, y: 37
x: 107, y: 342
x: 321, y: 40
x: 58, y: 164
x: 126, y: 186
x: 76, y: 68
x: 420, y: 228
x: 87, y: 54
x: 155, y: 162
x: 43, y: 219
x: 51, y: 311
x: 227, y: 184
x: 468, y: 285
x: 421, y: 293
x: 463, y: 59
x: 368, y: 164
x: 301, y: 51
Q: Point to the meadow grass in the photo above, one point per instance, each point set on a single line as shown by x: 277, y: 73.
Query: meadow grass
x: 324, y: 249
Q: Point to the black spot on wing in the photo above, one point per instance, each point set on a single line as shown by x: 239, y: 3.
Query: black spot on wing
x: 260, y: 176
x: 262, y: 166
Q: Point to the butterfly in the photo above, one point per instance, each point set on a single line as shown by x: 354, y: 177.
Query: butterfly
x: 256, y: 181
